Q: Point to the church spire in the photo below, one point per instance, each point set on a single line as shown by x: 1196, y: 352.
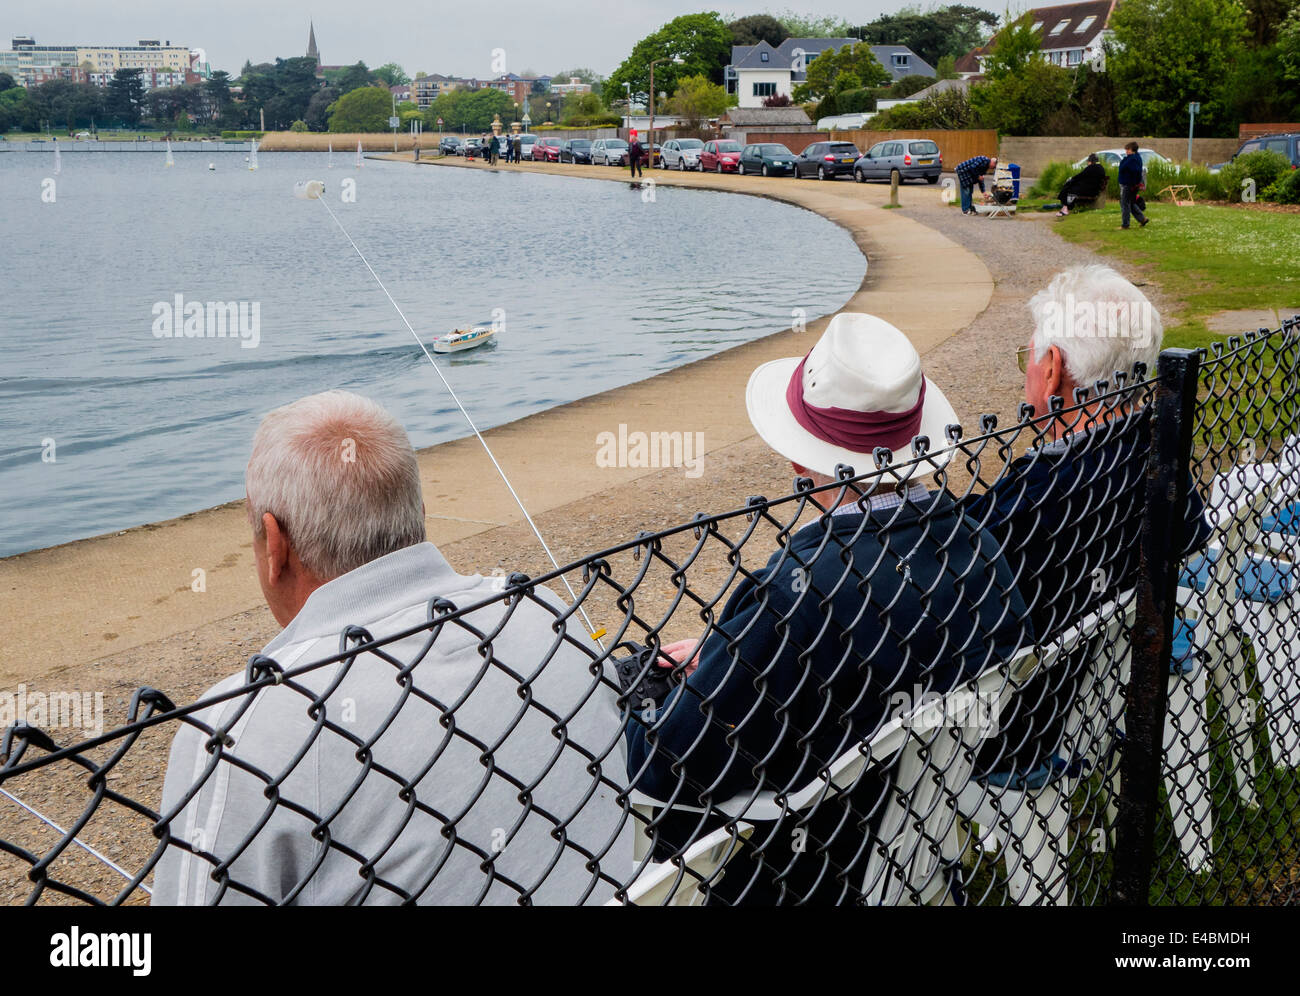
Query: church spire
x: 312, y: 51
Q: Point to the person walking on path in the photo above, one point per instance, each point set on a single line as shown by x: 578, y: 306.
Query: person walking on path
x: 1131, y: 182
x: 634, y: 156
x: 970, y: 172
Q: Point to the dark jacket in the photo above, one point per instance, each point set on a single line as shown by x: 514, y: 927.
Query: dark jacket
x: 1087, y: 183
x: 634, y: 152
x: 1130, y: 170
x: 808, y: 658
x: 1069, y: 516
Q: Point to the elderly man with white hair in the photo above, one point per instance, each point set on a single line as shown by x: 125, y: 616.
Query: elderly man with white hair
x: 463, y: 761
x: 1069, y: 512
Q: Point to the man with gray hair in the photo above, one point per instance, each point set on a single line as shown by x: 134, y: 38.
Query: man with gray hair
x: 1069, y: 511
x: 464, y: 760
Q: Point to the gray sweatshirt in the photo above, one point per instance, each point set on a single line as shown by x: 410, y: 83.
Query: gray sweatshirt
x: 497, y: 741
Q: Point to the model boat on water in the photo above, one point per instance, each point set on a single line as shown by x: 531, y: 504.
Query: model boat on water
x: 460, y: 339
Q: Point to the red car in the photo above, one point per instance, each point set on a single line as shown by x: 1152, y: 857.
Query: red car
x: 721, y: 157
x: 546, y: 150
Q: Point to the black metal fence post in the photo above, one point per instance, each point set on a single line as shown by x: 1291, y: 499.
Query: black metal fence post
x: 1148, y: 687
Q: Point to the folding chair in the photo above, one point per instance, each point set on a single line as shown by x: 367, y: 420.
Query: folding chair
x: 929, y: 752
x: 1029, y: 818
x: 1004, y: 195
x: 679, y: 883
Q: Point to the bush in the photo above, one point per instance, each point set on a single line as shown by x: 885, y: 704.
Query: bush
x: 242, y: 134
x: 1052, y: 179
x: 1285, y: 190
x: 298, y: 126
x: 1264, y: 167
x: 908, y: 85
x: 854, y: 101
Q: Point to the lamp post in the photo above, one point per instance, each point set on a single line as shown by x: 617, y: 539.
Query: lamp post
x: 628, y: 88
x: 1192, y: 109
x: 676, y: 59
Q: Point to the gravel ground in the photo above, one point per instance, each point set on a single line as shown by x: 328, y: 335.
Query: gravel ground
x: 976, y: 369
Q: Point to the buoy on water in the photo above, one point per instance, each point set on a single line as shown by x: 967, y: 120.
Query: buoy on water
x: 308, y: 190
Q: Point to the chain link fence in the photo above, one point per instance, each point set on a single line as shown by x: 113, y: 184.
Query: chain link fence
x: 1049, y: 662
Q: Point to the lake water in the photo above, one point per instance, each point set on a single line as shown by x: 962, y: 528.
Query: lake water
x: 598, y: 286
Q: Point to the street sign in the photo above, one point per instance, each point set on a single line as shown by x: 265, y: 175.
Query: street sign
x: 394, y: 121
x: 440, y: 122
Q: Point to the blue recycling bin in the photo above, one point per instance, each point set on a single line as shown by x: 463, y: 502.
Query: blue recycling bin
x: 1014, y: 170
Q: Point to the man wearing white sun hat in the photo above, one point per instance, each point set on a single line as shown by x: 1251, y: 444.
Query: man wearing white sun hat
x: 892, y: 590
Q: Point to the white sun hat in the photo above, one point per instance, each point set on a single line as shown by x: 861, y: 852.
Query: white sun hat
x: 860, y: 387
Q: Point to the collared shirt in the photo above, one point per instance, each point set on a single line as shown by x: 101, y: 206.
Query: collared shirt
x: 465, y: 711
x: 972, y: 170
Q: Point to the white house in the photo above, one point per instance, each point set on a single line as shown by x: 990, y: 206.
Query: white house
x: 1070, y: 34
x: 761, y: 71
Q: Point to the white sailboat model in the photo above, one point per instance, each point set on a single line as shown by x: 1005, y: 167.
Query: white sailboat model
x: 170, y: 160
x: 252, y: 156
x: 330, y: 164
x: 58, y: 159
x: 358, y: 153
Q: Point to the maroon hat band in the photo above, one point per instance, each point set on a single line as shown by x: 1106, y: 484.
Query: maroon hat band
x: 859, y: 432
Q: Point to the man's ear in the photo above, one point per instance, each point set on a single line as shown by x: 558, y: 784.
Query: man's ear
x: 277, y: 548
x: 1054, y: 372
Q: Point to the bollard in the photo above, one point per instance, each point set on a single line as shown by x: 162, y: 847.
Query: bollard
x: 893, y: 188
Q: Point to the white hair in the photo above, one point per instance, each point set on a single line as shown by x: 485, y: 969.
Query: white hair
x: 1100, y: 322
x: 338, y: 473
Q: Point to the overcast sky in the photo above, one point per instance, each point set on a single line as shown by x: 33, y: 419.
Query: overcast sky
x: 456, y: 38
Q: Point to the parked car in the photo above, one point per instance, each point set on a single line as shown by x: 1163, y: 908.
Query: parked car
x: 681, y: 153
x: 472, y: 148
x: 827, y: 160
x: 526, y: 143
x: 575, y: 150
x: 1111, y: 157
x: 1287, y: 143
x: 721, y: 156
x: 546, y: 150
x: 609, y: 152
x: 449, y: 145
x: 910, y: 158
x: 768, y: 158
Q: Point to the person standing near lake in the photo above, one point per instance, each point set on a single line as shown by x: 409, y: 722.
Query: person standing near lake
x: 1132, y: 178
x: 634, y: 156
x: 970, y: 172
x: 496, y: 149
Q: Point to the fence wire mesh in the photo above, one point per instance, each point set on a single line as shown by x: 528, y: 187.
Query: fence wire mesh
x: 908, y: 686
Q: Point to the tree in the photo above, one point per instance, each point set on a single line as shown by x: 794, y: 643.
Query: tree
x: 756, y: 28
x: 6, y: 82
x: 801, y: 26
x: 701, y: 41
x: 1019, y: 102
x: 852, y: 67
x: 697, y: 99
x: 1288, y: 45
x: 124, y: 100
x: 470, y: 110
x: 1022, y: 89
x: 220, y: 100
x: 354, y: 78
x: 365, y: 109
x: 1158, y: 71
x: 947, y: 109
x: 944, y: 31
x: 316, y: 116
x: 909, y: 85
x: 392, y: 74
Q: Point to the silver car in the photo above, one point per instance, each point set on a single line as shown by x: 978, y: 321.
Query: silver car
x: 609, y: 152
x: 681, y: 154
x: 526, y: 143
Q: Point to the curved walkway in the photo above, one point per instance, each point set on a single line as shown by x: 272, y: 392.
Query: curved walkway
x: 119, y: 595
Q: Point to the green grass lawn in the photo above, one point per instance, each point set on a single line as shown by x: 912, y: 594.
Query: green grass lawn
x: 1209, y: 259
